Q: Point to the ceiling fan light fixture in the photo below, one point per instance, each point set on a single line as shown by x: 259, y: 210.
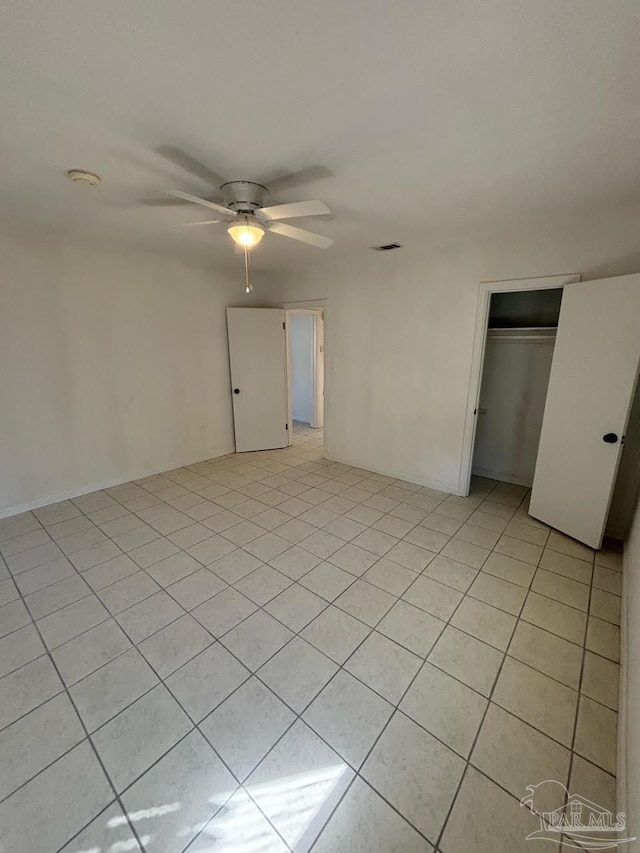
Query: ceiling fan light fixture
x: 247, y: 233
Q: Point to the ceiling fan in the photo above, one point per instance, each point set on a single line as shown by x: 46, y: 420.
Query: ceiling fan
x: 242, y: 206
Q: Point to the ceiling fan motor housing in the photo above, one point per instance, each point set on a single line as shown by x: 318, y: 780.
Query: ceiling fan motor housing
x: 243, y: 196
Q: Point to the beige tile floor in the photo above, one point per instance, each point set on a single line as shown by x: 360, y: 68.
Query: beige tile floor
x: 272, y: 652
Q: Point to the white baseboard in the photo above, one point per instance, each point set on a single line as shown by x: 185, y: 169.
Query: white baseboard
x: 502, y: 477
x: 77, y: 492
x: 449, y: 488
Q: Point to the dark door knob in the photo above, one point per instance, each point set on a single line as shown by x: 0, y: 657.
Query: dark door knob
x: 610, y: 438
x: 237, y: 391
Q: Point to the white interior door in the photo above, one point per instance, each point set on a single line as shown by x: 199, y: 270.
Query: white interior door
x: 257, y: 355
x: 592, y: 383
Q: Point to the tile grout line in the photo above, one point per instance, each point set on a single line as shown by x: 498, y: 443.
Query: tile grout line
x: 298, y: 716
x: 327, y: 605
x: 237, y: 547
x: 468, y: 764
x: 240, y: 547
x: 165, y: 588
x: 397, y: 709
x: 297, y: 580
x: 195, y: 726
x: 580, y: 694
x: 298, y: 634
x: 361, y: 577
x: 570, y: 749
x: 87, y: 737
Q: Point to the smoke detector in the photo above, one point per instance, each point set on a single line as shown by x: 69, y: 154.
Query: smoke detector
x: 81, y: 177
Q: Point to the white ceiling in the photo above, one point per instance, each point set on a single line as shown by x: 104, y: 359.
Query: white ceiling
x: 439, y: 119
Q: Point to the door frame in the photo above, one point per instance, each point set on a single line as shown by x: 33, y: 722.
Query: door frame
x: 485, y: 289
x: 318, y: 309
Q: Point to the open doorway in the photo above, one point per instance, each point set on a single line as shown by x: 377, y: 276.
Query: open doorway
x: 305, y: 354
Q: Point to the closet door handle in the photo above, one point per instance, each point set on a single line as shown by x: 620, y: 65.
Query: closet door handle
x: 610, y: 438
x: 236, y: 390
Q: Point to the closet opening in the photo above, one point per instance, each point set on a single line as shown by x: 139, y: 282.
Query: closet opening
x: 518, y: 351
x: 554, y: 399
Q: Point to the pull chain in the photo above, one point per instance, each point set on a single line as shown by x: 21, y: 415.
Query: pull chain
x: 248, y: 287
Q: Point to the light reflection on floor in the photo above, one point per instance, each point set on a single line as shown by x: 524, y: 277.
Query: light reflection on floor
x: 292, y: 803
x: 238, y: 828
x: 130, y: 846
x: 145, y: 814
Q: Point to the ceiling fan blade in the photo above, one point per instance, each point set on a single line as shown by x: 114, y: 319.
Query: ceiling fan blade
x: 169, y: 202
x: 189, y: 224
x: 196, y: 200
x: 180, y: 158
x: 286, y: 180
x: 317, y: 240
x: 296, y: 208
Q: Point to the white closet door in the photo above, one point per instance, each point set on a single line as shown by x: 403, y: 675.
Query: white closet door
x: 257, y: 355
x: 592, y: 383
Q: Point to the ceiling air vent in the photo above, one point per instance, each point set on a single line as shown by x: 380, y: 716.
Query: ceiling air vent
x: 387, y: 247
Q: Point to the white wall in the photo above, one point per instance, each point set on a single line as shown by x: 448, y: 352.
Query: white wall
x: 101, y: 347
x: 628, y: 719
x: 399, y: 335
x: 113, y: 365
x: 625, y: 494
x: 515, y: 378
x: 301, y: 361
